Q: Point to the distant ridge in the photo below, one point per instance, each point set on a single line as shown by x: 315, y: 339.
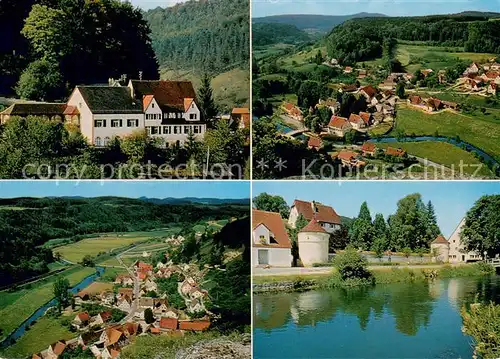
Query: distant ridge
x: 191, y: 200
x: 313, y: 23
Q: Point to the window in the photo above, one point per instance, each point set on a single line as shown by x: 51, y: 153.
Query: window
x: 116, y: 123
x: 167, y: 130
x: 186, y: 130
x: 192, y: 106
x: 149, y: 130
x: 99, y: 123
x: 155, y: 130
x: 196, y: 129
x: 175, y: 130
x: 98, y: 141
x: 262, y: 239
x: 106, y: 141
x: 80, y: 105
x: 153, y: 105
x: 192, y: 116
x: 132, y: 123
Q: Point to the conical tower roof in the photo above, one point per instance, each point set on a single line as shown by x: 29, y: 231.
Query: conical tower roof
x: 440, y: 240
x: 313, y: 226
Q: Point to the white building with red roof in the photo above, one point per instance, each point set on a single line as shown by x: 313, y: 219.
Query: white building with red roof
x: 270, y: 242
x: 324, y: 215
x: 313, y: 244
x: 339, y: 126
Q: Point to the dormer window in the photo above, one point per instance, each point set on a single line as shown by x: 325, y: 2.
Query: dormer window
x: 153, y: 105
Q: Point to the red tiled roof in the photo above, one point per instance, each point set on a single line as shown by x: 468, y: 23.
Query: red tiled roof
x: 187, y: 103
x: 114, y: 353
x: 313, y: 226
x: 349, y: 88
x: 168, y: 94
x: 492, y: 74
x: 440, y: 240
x: 145, y: 266
x: 168, y: 323
x: 415, y: 100
x: 241, y: 111
x: 84, y: 317
x: 368, y: 147
x: 105, y: 316
x: 198, y: 325
x: 71, y: 111
x: 146, y: 101
x: 365, y: 116
x: 395, y: 151
x: 155, y: 330
x: 274, y: 223
x: 58, y: 348
x: 113, y: 335
x: 347, y: 155
x: 338, y: 122
x: 353, y: 118
x: 314, y: 142
x: 369, y: 90
x: 323, y: 213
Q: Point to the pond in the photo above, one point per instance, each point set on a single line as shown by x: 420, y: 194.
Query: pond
x: 404, y: 320
x: 16, y: 334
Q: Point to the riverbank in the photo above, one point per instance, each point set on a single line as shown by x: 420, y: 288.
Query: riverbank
x: 328, y: 277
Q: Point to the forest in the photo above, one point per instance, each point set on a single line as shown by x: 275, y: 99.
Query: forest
x: 49, y: 46
x: 264, y: 34
x: 362, y: 39
x: 209, y: 36
x: 27, y: 223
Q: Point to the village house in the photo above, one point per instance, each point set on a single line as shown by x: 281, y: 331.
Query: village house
x: 195, y: 306
x: 349, y: 88
x: 56, y: 349
x: 150, y: 286
x: 474, y: 84
x: 339, y: 126
x: 293, y: 111
x: 270, y: 242
x: 434, y: 104
x: 194, y: 325
x: 100, y: 319
x: 356, y: 121
x: 369, y: 92
x: 415, y: 100
x: 426, y: 72
x: 396, y: 152
x: 350, y: 159
x: 368, y: 149
x: 472, y: 69
x: 124, y: 279
x: 81, y: 320
x: 170, y: 109
x: 242, y: 117
x: 440, y: 249
x: 51, y: 111
x: 492, y: 88
x: 347, y: 69
x: 324, y: 215
x: 332, y: 104
x: 125, y: 292
x: 124, y: 303
x: 169, y: 323
x: 367, y: 118
x: 362, y: 74
x: 107, y: 297
x: 146, y: 302
x: 457, y: 251
x: 314, y: 143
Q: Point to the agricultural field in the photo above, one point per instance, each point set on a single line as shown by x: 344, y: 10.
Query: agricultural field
x: 442, y: 153
x: 415, y: 56
x: 18, y: 305
x: 45, y: 330
x: 472, y: 129
x: 272, y: 50
x: 75, y: 252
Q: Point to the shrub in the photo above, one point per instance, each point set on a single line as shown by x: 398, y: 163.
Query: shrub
x: 482, y: 322
x: 352, y: 268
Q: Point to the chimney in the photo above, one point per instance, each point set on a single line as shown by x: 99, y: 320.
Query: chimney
x: 314, y: 208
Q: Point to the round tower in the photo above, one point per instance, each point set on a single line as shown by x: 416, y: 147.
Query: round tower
x: 440, y: 250
x: 313, y: 244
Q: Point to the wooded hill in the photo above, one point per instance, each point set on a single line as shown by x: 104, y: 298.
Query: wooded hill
x: 363, y: 39
x: 209, y: 36
x: 27, y: 223
x: 312, y: 23
x: 267, y: 34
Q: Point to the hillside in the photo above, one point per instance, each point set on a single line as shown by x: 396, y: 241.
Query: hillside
x: 44, y: 219
x: 201, y: 36
x: 363, y: 39
x: 312, y: 23
x: 273, y: 33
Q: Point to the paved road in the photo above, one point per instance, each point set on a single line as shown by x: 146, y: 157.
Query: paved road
x: 133, y: 309
x: 259, y: 271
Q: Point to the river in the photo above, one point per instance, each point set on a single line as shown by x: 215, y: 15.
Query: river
x: 403, y: 320
x: 16, y: 334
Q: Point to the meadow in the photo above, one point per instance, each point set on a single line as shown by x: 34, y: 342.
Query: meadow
x: 16, y: 306
x: 480, y: 133
x: 442, y: 153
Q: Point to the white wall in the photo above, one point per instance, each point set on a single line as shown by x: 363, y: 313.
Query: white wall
x: 292, y: 218
x: 86, y: 117
x: 278, y: 257
x: 124, y: 130
x: 313, y: 248
x: 193, y: 110
x: 457, y: 252
x: 261, y: 230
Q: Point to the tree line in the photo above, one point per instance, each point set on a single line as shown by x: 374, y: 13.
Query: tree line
x: 363, y: 39
x: 26, y: 224
x: 57, y: 44
x: 208, y: 36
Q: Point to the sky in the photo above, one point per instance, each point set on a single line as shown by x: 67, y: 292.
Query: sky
x: 451, y: 200
x: 262, y: 8
x: 131, y: 189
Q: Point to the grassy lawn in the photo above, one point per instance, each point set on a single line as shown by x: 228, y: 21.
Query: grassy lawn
x: 15, y: 307
x: 40, y: 335
x: 110, y: 274
x: 302, y: 57
x: 92, y: 246
x: 472, y: 129
x: 380, y: 129
x: 443, y: 153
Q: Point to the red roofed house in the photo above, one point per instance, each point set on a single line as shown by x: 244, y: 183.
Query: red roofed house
x: 492, y: 88
x: 472, y: 69
x: 368, y: 91
x: 194, y: 325
x: 356, y: 121
x: 56, y: 349
x: 293, y: 111
x: 314, y: 142
x: 81, y: 320
x: 440, y: 249
x: 313, y: 244
x: 270, y: 242
x: 369, y: 148
x: 350, y: 159
x: 242, y: 116
x: 397, y: 152
x: 324, y: 215
x: 415, y: 100
x: 348, y: 70
x: 366, y: 117
x: 168, y: 323
x: 339, y: 126
x: 434, y: 104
